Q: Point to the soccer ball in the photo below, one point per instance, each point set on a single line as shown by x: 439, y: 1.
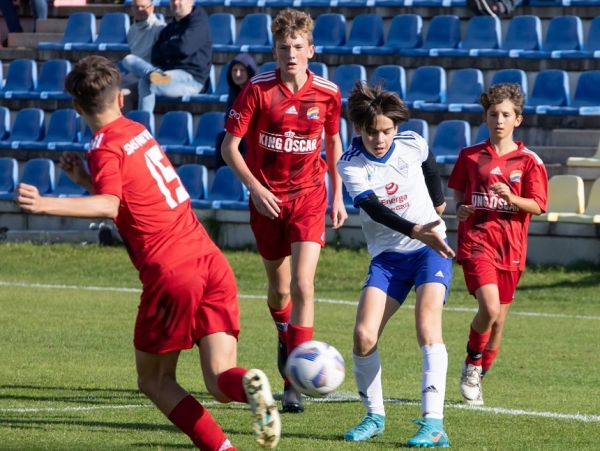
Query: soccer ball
x: 315, y: 368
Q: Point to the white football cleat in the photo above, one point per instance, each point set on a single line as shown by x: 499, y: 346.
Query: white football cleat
x: 266, y: 423
x: 470, y: 384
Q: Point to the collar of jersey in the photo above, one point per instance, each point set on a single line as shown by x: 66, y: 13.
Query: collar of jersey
x: 357, y: 143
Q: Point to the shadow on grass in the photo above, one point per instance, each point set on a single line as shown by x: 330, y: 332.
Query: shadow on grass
x: 30, y: 423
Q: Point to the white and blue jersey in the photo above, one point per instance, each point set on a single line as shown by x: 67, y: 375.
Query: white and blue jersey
x: 398, y: 261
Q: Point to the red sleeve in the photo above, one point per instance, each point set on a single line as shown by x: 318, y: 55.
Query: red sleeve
x: 334, y: 111
x: 536, y: 184
x: 242, y: 112
x: 105, y: 170
x: 458, y: 177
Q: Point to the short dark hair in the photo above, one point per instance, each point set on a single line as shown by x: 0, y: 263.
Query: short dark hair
x: 502, y: 91
x: 94, y: 82
x: 367, y: 101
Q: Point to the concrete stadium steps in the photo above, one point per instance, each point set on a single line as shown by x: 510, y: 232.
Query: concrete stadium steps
x: 570, y: 137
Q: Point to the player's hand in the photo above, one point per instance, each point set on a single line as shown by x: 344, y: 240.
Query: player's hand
x: 266, y: 202
x: 502, y: 190
x: 28, y: 198
x: 464, y: 211
x: 427, y: 234
x: 72, y: 164
x: 338, y: 213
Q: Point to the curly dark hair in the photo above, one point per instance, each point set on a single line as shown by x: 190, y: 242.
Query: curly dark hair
x: 501, y: 92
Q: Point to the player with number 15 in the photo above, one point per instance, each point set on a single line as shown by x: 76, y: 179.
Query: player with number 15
x: 189, y: 294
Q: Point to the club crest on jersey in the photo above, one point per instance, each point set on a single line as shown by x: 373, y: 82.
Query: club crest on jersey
x: 515, y: 176
x: 391, y: 188
x: 402, y: 167
x: 313, y: 113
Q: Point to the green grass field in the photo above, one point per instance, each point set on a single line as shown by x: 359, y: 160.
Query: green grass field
x: 67, y: 376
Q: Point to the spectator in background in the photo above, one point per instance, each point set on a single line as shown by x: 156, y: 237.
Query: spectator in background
x: 494, y: 8
x: 241, y: 69
x: 142, y: 35
x: 39, y: 8
x: 180, y: 60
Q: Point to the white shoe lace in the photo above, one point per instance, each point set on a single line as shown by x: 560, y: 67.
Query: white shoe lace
x: 473, y: 377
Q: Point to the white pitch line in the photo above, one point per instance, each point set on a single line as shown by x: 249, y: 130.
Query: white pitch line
x: 583, y: 418
x: 320, y: 300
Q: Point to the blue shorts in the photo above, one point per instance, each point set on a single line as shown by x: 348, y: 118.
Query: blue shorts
x: 395, y: 273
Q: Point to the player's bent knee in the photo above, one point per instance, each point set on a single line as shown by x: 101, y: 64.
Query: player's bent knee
x: 302, y: 289
x: 364, y: 341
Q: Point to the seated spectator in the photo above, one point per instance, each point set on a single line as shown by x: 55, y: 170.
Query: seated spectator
x: 241, y: 69
x: 142, y: 35
x: 180, y: 59
x: 9, y: 11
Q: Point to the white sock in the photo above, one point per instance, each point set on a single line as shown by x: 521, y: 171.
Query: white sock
x: 433, y: 383
x: 367, y: 374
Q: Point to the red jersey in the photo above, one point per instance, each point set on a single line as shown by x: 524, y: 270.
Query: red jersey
x: 497, y: 230
x: 155, y: 219
x: 284, y: 130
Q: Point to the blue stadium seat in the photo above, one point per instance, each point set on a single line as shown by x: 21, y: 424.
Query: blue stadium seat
x: 51, y: 82
x: 483, y: 133
x: 9, y: 177
x: 564, y: 33
x: 21, y: 78
x: 511, y: 76
x: 551, y: 88
x: 483, y: 32
x: 81, y: 29
x: 39, y: 172
x: 346, y: 75
x: 463, y: 94
x: 443, y: 33
x: 146, y: 118
x: 366, y: 34
x: 405, y: 33
x: 428, y: 85
x: 344, y: 132
x: 28, y: 126
x: 254, y: 36
x: 329, y: 32
x: 209, y: 126
x: 194, y: 178
x: 221, y: 91
x: 450, y: 137
x: 160, y: 16
x: 416, y: 125
x: 65, y: 187
x: 523, y: 33
x: 82, y: 144
x: 63, y: 127
x: 592, y: 45
x: 319, y: 69
x: 4, y: 123
x: 587, y: 96
x: 111, y: 36
x: 266, y: 67
x: 392, y: 78
x: 222, y: 30
x: 175, y: 129
x: 226, y: 192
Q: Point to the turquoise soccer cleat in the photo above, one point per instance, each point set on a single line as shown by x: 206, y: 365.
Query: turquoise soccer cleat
x: 371, y: 426
x: 430, y: 435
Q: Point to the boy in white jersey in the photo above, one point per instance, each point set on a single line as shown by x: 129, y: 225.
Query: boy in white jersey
x: 394, y: 180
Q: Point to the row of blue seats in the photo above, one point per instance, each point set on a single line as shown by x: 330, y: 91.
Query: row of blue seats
x: 363, y: 3
x: 564, y: 38
x: 64, y: 130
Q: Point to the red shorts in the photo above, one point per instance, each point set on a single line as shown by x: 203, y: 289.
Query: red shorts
x: 480, y: 272
x: 301, y: 219
x: 183, y: 303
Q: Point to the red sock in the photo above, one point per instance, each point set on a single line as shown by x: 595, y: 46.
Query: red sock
x: 476, y: 346
x: 488, y: 358
x: 297, y: 335
x: 282, y: 318
x: 232, y: 385
x: 196, y: 422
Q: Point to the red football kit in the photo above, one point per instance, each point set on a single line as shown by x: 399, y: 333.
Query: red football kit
x: 188, y: 287
x: 497, y: 231
x: 284, y: 131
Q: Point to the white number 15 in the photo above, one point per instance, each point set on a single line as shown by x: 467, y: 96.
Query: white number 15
x: 163, y: 175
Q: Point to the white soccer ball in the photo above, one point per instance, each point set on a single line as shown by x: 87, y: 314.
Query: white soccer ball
x: 315, y: 368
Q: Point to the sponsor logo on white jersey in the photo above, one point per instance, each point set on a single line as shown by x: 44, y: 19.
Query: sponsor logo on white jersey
x: 396, y: 203
x: 291, y: 110
x: 289, y: 142
x: 490, y: 201
x: 496, y: 171
x: 391, y: 188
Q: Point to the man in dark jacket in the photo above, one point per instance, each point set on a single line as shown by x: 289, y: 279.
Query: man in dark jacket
x: 241, y: 69
x: 181, y: 57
